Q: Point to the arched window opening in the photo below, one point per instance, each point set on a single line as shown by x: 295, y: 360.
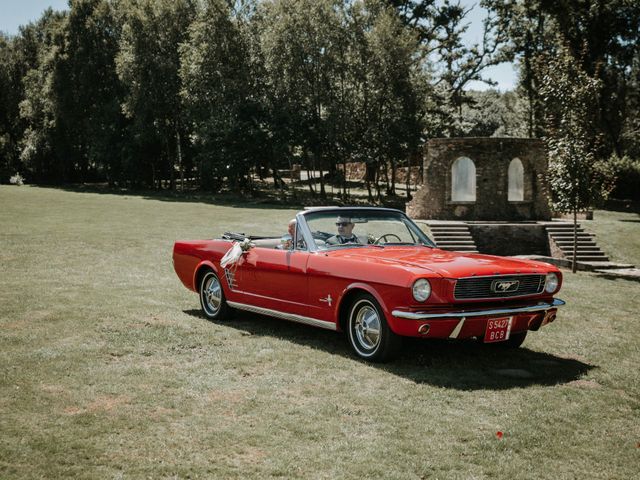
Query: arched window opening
x: 463, y: 180
x: 516, y: 181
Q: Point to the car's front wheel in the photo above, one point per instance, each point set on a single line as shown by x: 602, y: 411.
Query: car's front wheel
x: 212, y: 299
x: 368, y: 331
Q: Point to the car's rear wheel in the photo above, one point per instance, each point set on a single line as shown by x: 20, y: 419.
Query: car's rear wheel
x: 212, y: 300
x: 368, y: 331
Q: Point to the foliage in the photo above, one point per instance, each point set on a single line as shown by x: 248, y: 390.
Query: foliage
x: 627, y: 178
x: 390, y: 107
x: 17, y: 179
x: 349, y: 88
x: 603, y: 37
x: 148, y: 65
x: 440, y: 27
x: 303, y: 51
x: 41, y: 142
x: 9, y: 99
x: 219, y: 93
x: 490, y: 114
x: 578, y: 180
x: 89, y: 115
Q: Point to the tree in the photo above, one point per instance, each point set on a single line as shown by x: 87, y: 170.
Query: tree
x: 577, y: 180
x: 301, y: 42
x: 223, y: 96
x: 148, y: 64
x: 602, y: 35
x: 9, y: 110
x: 389, y: 87
x: 440, y: 27
x: 88, y: 114
x: 40, y: 150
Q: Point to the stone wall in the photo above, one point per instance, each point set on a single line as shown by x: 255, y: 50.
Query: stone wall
x: 356, y: 172
x: 510, y: 239
x: 491, y: 157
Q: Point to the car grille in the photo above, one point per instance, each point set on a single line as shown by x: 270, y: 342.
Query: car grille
x: 499, y: 286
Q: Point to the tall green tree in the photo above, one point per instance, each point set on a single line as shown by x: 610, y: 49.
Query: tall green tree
x: 88, y: 114
x: 578, y: 181
x: 148, y: 64
x: 603, y: 37
x: 301, y: 41
x: 10, y: 93
x: 388, y: 78
x: 70, y: 108
x: 223, y: 95
x: 440, y: 26
x: 40, y: 147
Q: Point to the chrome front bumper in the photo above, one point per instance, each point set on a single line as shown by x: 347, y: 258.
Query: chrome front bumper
x: 539, y: 307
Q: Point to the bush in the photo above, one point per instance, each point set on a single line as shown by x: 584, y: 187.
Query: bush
x: 17, y: 179
x: 628, y: 178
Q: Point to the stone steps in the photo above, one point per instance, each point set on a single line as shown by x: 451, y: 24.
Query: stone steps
x: 453, y: 236
x: 561, y: 239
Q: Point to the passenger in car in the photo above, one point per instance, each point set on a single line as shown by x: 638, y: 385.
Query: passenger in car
x: 287, y: 240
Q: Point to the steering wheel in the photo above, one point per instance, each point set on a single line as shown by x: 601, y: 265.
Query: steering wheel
x: 384, y: 238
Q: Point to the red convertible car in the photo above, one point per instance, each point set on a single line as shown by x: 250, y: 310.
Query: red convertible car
x: 372, y: 273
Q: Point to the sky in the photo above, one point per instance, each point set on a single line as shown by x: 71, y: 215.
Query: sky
x: 14, y: 13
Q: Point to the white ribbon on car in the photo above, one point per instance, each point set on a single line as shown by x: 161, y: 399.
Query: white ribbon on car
x: 235, y: 252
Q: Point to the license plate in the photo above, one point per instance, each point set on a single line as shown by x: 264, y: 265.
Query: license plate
x: 498, y: 330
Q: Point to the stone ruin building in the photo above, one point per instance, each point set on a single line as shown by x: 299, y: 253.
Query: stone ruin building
x: 490, y: 195
x: 483, y: 179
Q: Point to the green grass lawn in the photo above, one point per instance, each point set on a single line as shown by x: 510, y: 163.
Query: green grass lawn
x: 618, y: 234
x: 107, y: 369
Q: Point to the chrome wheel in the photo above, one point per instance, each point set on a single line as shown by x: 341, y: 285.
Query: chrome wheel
x: 368, y: 332
x: 367, y: 327
x: 212, y: 298
x: 212, y: 292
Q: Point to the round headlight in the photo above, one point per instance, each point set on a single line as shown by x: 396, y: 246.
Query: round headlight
x: 421, y: 289
x: 551, y: 283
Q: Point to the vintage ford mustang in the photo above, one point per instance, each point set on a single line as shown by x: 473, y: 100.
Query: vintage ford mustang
x: 374, y: 274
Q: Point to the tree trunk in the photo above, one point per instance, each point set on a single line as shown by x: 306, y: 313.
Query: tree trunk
x: 574, y: 267
x: 309, y: 179
x: 278, y: 182
x: 344, y: 179
x: 168, y: 163
x: 408, y: 179
x: 393, y: 177
x: 179, y: 154
x: 369, y: 177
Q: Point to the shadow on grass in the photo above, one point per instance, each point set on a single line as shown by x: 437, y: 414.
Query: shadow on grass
x: 463, y: 365
x: 620, y: 205
x: 264, y: 200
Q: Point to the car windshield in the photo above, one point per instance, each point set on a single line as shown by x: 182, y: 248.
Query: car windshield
x: 353, y: 228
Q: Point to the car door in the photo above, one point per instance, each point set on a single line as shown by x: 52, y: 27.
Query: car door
x: 275, y: 279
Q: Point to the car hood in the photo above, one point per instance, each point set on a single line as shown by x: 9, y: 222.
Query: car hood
x: 442, y: 262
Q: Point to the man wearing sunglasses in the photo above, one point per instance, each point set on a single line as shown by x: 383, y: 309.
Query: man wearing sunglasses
x: 345, y: 233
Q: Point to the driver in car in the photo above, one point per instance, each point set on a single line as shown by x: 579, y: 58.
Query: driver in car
x: 345, y: 232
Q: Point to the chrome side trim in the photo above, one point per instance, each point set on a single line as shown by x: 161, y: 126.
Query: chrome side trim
x: 540, y: 307
x: 285, y: 316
